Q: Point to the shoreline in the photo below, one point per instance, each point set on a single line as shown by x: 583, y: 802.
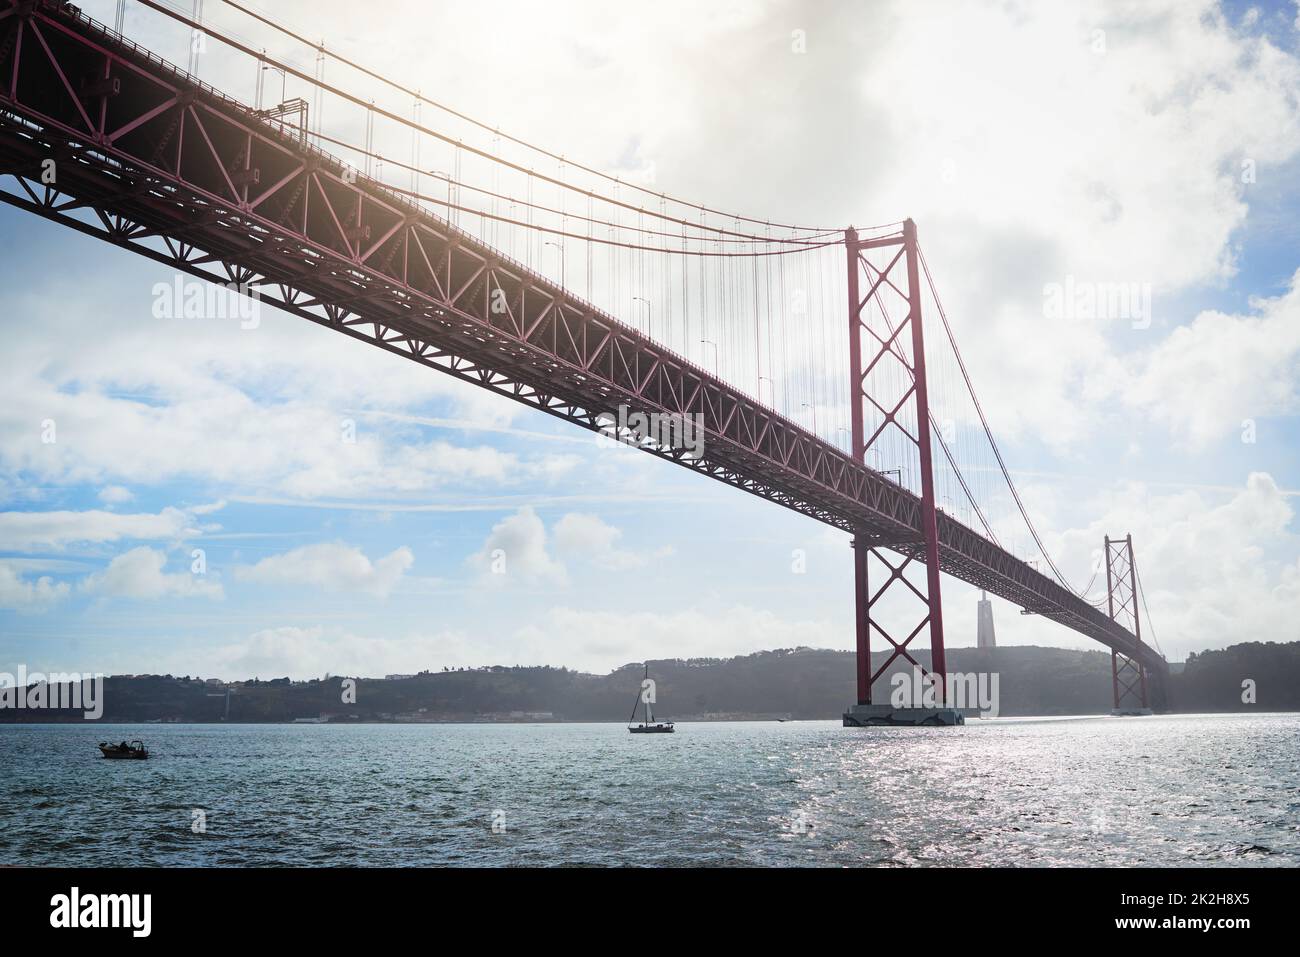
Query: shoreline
x: 694, y: 719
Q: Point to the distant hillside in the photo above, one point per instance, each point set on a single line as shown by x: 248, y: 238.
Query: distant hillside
x: 799, y: 683
x: 1213, y: 680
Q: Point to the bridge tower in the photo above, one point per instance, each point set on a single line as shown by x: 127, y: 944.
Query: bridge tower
x: 891, y: 435
x: 1128, y: 677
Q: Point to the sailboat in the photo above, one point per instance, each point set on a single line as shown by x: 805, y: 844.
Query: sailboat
x: 649, y: 725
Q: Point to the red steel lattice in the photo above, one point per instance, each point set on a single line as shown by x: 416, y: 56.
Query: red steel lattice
x: 1127, y: 672
x: 902, y: 347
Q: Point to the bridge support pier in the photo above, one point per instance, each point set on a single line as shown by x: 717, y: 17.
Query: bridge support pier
x: 888, y: 385
x: 887, y: 716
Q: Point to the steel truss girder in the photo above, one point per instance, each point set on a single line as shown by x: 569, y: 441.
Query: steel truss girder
x: 164, y: 167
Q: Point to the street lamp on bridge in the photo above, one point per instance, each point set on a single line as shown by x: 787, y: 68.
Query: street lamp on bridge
x: 648, y: 316
x: 809, y: 405
x: 710, y: 342
x: 560, y: 249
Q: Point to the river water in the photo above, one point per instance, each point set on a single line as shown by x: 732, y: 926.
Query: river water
x: 1200, y: 790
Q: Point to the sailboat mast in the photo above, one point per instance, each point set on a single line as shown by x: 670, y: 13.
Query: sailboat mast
x: 635, y: 702
x: 645, y: 697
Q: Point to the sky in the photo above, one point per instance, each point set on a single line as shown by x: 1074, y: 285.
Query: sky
x: 196, y: 512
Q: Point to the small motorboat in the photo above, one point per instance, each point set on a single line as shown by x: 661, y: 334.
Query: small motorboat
x: 135, y: 751
x: 649, y: 725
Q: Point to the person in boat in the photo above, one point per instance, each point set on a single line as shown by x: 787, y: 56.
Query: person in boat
x: 124, y: 747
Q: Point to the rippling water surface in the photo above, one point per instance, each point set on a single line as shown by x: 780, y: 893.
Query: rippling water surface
x: 1196, y: 790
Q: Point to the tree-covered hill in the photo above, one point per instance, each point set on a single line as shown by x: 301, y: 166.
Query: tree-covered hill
x: 800, y: 683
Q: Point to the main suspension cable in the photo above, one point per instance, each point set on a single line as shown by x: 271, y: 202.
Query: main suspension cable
x: 319, y: 83
x: 970, y: 387
x: 937, y: 433
x: 809, y: 241
x: 1151, y: 628
x: 281, y: 66
x: 536, y: 227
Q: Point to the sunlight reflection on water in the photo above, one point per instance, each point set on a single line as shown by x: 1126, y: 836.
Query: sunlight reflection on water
x: 1173, y: 790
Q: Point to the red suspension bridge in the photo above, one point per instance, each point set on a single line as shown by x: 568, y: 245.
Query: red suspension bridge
x: 742, y: 324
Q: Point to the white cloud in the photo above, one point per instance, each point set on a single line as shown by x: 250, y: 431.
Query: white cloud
x: 1208, y: 377
x: 139, y: 574
x: 594, y: 540
x: 376, y: 466
x: 256, y: 410
x: 23, y: 594
x: 21, y: 531
x: 333, y: 567
x: 1114, y: 167
x: 115, y: 495
x: 222, y: 435
x: 593, y: 641
x: 311, y: 652
x: 578, y: 531
x: 516, y: 550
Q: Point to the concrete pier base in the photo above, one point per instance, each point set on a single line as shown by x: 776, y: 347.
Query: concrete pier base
x: 885, y: 715
x: 1131, y: 712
